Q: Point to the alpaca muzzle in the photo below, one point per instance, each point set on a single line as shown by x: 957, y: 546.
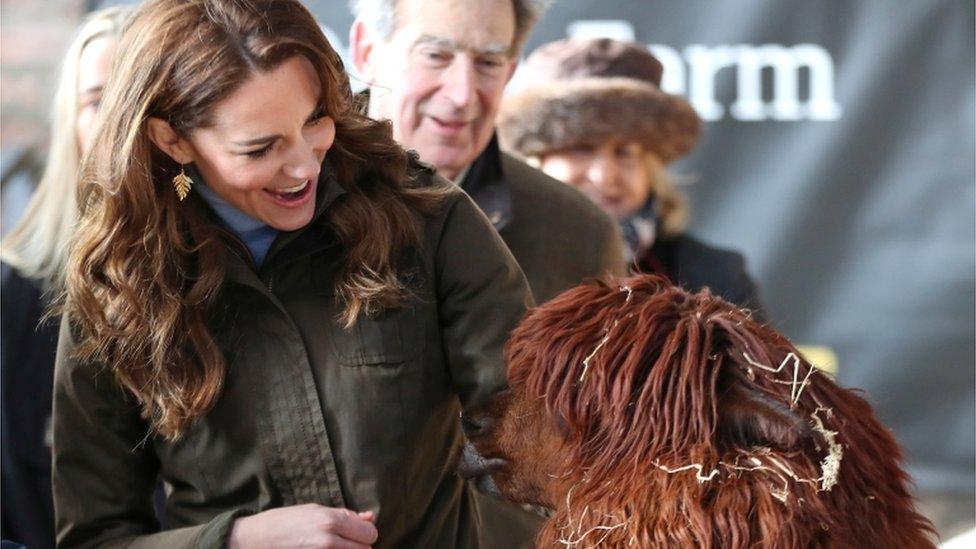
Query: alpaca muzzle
x: 478, y: 469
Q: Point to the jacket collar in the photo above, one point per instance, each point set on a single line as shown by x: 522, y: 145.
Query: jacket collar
x: 485, y: 183
x: 241, y: 268
x: 329, y: 189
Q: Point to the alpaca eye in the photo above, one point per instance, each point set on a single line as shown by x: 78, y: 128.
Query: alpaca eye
x: 562, y: 426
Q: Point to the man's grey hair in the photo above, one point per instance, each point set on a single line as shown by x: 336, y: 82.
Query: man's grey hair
x: 380, y: 17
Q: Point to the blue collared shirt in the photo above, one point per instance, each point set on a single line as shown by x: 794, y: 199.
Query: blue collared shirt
x: 256, y: 235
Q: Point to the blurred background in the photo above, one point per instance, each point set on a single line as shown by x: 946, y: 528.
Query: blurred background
x: 838, y: 156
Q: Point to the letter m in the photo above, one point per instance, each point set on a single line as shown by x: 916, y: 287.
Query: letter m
x: 786, y: 64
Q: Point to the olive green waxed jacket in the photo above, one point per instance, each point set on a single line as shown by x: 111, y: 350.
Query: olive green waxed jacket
x: 365, y: 418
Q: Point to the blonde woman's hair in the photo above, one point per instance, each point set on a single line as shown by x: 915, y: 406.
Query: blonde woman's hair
x: 672, y: 204
x: 37, y: 246
x: 146, y: 270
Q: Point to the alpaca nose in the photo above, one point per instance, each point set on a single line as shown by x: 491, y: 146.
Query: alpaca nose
x: 475, y: 424
x: 478, y: 421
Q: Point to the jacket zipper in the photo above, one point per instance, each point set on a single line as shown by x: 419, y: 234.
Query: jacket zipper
x: 250, y: 258
x: 240, y: 246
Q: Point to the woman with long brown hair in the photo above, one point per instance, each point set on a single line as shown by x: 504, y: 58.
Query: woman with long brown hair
x: 270, y: 305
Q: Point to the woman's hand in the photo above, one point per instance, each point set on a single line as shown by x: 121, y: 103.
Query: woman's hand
x: 309, y: 525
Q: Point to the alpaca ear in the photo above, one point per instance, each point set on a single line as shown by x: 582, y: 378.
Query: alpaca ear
x: 748, y: 417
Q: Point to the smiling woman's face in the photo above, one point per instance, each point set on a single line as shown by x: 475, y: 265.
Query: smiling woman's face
x: 264, y: 151
x: 613, y: 174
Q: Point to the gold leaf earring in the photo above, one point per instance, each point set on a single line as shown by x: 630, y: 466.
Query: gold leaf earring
x: 182, y: 184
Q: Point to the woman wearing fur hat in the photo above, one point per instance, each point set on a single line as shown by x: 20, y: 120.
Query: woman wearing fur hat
x: 594, y: 116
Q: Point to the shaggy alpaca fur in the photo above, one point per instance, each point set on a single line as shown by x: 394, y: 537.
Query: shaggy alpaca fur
x: 549, y: 118
x: 647, y: 416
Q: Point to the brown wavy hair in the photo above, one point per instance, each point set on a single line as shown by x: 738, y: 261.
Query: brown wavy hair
x: 146, y: 270
x: 648, y: 416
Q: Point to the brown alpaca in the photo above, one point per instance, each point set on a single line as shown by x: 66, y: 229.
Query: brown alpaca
x: 646, y: 416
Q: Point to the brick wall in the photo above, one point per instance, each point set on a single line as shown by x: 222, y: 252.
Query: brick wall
x: 34, y: 35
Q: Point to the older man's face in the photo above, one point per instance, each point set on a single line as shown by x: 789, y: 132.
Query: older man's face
x: 441, y: 75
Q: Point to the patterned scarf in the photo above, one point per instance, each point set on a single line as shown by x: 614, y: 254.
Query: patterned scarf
x: 640, y: 229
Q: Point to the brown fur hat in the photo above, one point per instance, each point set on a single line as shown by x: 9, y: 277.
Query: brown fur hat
x: 588, y: 91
